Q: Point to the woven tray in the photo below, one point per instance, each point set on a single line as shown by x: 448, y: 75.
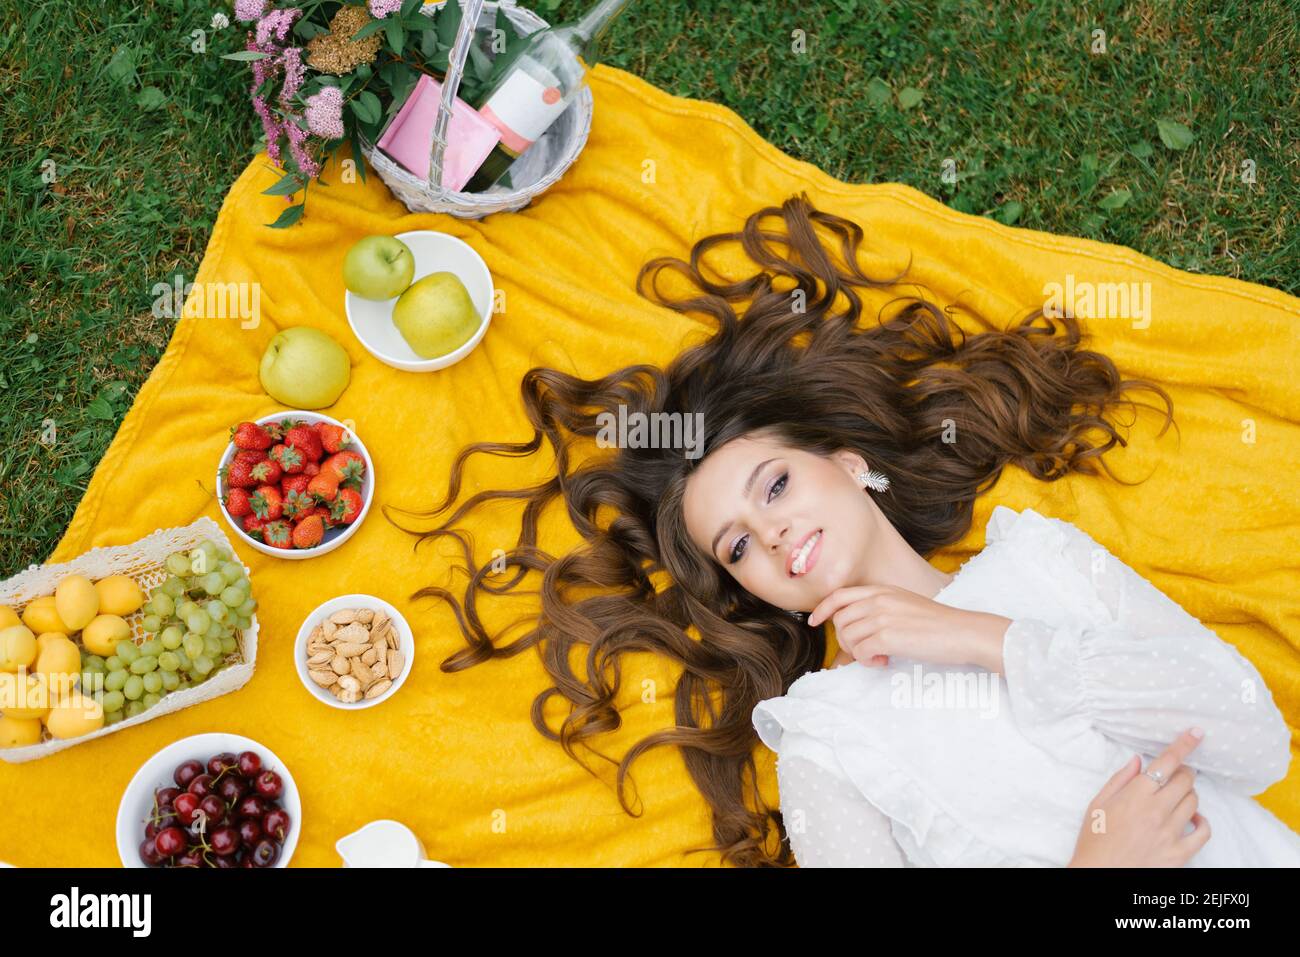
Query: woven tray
x: 143, y: 561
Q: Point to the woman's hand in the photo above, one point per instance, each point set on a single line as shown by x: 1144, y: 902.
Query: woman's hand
x: 1133, y: 822
x: 873, y: 622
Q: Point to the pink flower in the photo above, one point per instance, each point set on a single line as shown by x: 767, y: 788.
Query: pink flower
x: 294, y: 71
x: 325, y: 113
x: 249, y: 10
x: 382, y: 8
x: 297, y: 146
x: 276, y: 22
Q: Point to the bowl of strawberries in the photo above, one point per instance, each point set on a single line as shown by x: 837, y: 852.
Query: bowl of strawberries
x: 295, y: 484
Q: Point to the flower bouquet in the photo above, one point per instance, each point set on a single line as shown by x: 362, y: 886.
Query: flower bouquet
x: 329, y: 71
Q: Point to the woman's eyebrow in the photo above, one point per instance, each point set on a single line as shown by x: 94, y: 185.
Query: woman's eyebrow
x: 749, y: 484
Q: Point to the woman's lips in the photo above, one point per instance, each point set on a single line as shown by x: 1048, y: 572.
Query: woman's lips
x: 811, y: 560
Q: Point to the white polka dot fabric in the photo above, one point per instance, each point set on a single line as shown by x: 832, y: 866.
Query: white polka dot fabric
x: 922, y: 765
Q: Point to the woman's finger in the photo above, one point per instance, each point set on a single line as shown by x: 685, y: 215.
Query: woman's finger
x: 838, y: 599
x: 1172, y: 757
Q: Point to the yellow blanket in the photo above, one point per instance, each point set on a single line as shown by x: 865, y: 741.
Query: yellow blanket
x: 455, y: 756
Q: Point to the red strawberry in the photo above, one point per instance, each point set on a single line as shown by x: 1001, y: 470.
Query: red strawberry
x: 294, y: 483
x: 277, y: 535
x: 332, y: 437
x: 267, y: 503
x: 266, y: 473
x: 237, y: 503
x: 311, y: 469
x: 306, y: 440
x: 309, y: 532
x: 253, y: 525
x: 347, y: 466
x: 251, y: 456
x: 345, y: 509
x: 288, y: 458
x: 250, y: 435
x: 320, y: 510
x: 239, y: 475
x: 324, y: 486
x: 297, y: 504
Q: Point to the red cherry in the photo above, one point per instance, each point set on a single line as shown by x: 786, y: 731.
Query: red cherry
x: 220, y: 762
x: 276, y: 824
x: 250, y: 831
x: 185, y: 805
x: 186, y: 773
x: 269, y: 785
x: 252, y: 806
x: 249, y: 764
x: 225, y: 841
x: 170, y: 841
x: 265, y: 853
x: 164, y: 796
x: 201, y: 785
x: 149, y: 853
x: 214, y: 808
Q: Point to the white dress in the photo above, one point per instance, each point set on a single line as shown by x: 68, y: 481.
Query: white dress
x: 924, y: 765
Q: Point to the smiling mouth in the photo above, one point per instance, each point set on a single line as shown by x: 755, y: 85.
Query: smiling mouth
x: 800, y: 561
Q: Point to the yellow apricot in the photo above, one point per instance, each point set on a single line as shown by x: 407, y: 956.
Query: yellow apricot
x: 41, y: 616
x: 102, y: 635
x: 24, y: 695
x: 17, y: 732
x: 7, y: 617
x: 17, y: 647
x: 74, y: 716
x: 76, y: 601
x: 118, y: 595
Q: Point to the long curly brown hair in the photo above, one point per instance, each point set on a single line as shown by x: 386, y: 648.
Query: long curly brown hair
x: 815, y: 378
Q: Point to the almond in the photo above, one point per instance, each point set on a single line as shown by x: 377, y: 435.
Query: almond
x: 328, y: 628
x: 365, y: 615
x: 340, y: 665
x: 353, y: 633
x: 377, y: 623
x: 321, y: 658
x: 369, y: 655
x: 379, y: 669
x: 323, y: 678
x: 349, y: 683
x: 350, y: 696
x: 350, y: 649
x: 362, y: 672
x: 395, y: 664
x: 378, y: 688
x: 344, y: 616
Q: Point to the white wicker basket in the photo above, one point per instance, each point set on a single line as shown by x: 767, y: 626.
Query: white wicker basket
x: 531, y: 175
x: 143, y: 561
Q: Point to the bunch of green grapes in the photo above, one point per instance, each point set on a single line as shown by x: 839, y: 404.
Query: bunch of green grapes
x: 190, y: 620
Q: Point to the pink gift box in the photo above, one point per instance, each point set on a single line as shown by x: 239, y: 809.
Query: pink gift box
x: 409, y: 138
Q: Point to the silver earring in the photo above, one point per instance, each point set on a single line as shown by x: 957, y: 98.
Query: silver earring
x: 876, y: 481
x: 798, y: 615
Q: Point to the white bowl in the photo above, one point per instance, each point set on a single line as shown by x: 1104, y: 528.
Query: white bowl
x: 334, y: 537
x: 405, y: 638
x: 372, y: 319
x: 138, y: 798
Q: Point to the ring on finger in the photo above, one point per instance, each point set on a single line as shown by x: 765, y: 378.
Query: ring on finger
x: 1158, y: 776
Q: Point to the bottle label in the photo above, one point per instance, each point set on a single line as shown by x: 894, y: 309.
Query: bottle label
x: 522, y: 108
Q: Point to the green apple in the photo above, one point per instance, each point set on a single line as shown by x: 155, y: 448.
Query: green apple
x: 378, y: 267
x: 304, y: 368
x: 436, y: 315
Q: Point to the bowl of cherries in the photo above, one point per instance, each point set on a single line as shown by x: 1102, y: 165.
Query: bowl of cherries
x: 210, y: 800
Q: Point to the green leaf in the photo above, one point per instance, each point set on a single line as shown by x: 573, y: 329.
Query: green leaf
x: 878, y: 92
x: 306, y: 29
x: 365, y: 71
x: 1141, y: 149
x: 908, y: 97
x: 448, y: 21
x: 1009, y: 213
x: 374, y: 109
x: 99, y: 408
x: 150, y: 98
x: 245, y: 55
x: 480, y: 62
x: 1116, y: 200
x: 396, y: 36
x: 290, y: 216
x: 289, y: 184
x: 121, y: 67
x: 821, y: 122
x: 1088, y: 161
x: 373, y: 27
x: 358, y: 158
x: 410, y: 7
x: 1174, y: 135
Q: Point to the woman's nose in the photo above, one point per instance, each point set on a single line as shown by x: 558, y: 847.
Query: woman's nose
x: 775, y: 533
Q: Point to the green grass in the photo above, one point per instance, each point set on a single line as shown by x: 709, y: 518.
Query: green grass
x: 1041, y: 133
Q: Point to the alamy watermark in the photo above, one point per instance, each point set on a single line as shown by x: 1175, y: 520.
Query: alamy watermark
x: 213, y: 300
x: 652, y: 430
x: 1099, y: 300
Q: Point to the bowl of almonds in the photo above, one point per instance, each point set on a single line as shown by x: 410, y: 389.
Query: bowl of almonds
x: 354, y: 651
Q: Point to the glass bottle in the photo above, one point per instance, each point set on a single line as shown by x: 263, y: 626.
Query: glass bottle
x: 537, y: 87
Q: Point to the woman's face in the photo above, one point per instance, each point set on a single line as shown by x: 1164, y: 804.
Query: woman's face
x: 753, y: 503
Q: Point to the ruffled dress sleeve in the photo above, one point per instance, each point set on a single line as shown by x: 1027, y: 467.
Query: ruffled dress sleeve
x: 1140, y: 673
x: 827, y: 819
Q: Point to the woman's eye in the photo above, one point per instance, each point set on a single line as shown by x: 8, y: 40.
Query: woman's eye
x: 777, y: 488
